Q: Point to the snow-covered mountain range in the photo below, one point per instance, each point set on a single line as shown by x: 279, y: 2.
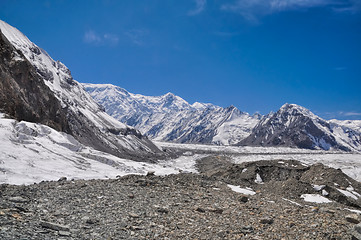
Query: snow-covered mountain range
x: 171, y: 118
x: 36, y: 88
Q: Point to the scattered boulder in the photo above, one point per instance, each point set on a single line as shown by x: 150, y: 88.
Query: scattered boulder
x: 54, y: 226
x: 18, y: 199
x: 266, y: 220
x: 353, y: 218
x: 243, y: 199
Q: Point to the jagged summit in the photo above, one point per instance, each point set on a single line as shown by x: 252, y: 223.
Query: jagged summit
x: 294, y: 109
x: 295, y: 126
x: 171, y: 118
x: 36, y: 88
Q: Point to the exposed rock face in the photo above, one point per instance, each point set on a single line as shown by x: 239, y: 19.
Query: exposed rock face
x: 36, y: 88
x: 171, y: 118
x: 295, y: 126
x: 23, y: 94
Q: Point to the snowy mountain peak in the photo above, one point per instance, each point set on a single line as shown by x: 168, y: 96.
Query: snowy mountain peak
x: 55, y: 73
x: 41, y: 89
x: 295, y: 126
x: 294, y: 109
x: 169, y: 95
x: 202, y: 106
x: 171, y: 118
x: 110, y: 89
x: 14, y: 35
x: 171, y: 101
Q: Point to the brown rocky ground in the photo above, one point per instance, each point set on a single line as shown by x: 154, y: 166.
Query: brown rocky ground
x: 183, y: 206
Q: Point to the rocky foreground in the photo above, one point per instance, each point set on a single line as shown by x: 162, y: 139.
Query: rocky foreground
x: 189, y: 206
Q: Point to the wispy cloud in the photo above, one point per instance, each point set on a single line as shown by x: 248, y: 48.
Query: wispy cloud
x: 111, y: 38
x: 350, y: 6
x: 92, y: 37
x: 226, y: 34
x: 347, y: 114
x: 340, y: 115
x: 137, y: 36
x: 200, y: 6
x: 253, y: 10
x: 340, y: 68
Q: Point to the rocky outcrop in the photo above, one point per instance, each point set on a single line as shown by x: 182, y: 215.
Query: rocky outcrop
x: 286, y: 178
x: 23, y: 94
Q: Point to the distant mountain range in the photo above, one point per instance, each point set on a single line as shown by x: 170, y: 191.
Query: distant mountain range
x: 171, y: 118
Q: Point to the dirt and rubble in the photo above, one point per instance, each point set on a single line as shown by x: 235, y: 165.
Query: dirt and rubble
x: 188, y: 205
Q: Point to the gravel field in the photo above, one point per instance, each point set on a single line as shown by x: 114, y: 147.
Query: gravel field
x: 181, y: 206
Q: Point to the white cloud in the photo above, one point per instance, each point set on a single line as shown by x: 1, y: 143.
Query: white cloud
x: 281, y: 5
x: 351, y: 6
x: 350, y: 114
x: 200, y: 6
x: 252, y: 10
x: 340, y: 115
x: 137, y: 36
x: 111, y: 38
x: 92, y: 37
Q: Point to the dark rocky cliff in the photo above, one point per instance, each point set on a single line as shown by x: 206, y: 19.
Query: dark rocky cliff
x: 23, y: 94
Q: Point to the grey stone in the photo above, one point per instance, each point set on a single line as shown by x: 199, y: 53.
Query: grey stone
x: 62, y: 179
x: 266, y: 220
x: 91, y: 221
x: 353, y: 218
x: 133, y: 215
x: 243, y: 199
x: 18, y: 199
x: 199, y: 209
x: 215, y: 210
x: 247, y: 229
x: 54, y: 226
x: 163, y: 210
x: 64, y: 233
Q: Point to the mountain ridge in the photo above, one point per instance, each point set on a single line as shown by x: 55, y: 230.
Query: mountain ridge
x: 38, y: 89
x: 171, y: 118
x: 211, y: 124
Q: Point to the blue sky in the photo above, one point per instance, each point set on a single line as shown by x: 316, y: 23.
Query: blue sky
x: 253, y: 54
